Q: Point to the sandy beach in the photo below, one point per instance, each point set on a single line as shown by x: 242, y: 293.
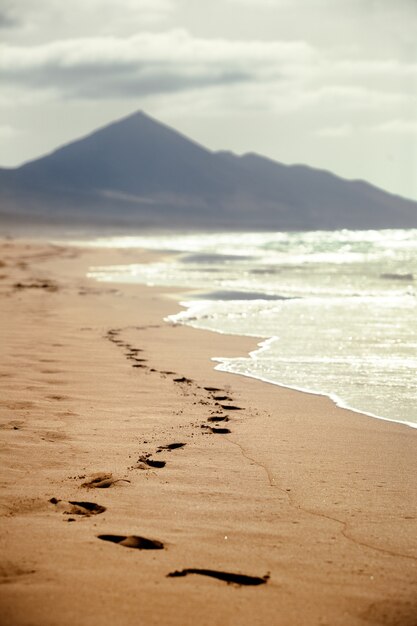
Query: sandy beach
x: 141, y: 486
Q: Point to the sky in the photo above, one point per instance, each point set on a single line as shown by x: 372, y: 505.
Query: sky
x: 327, y: 83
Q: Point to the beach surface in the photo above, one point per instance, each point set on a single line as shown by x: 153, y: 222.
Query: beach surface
x: 141, y: 486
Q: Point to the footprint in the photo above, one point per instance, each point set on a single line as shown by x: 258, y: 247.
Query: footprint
x: 183, y: 379
x: 230, y: 407
x: 102, y: 481
x: 133, y: 541
x: 37, y: 283
x: 73, y: 507
x: 221, y: 398
x: 57, y: 397
x: 228, y: 577
x: 218, y: 418
x: 171, y: 446
x: 220, y: 431
x: 151, y: 462
x: 212, y: 389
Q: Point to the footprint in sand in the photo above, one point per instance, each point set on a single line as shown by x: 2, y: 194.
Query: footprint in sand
x: 218, y: 418
x: 215, y: 430
x: 220, y: 431
x: 102, y: 481
x: 144, y: 461
x: 183, y: 379
x: 228, y: 577
x: 133, y: 541
x: 171, y: 446
x: 72, y: 507
x: 230, y: 407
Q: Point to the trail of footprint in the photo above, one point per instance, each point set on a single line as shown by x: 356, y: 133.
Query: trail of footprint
x: 133, y: 541
x: 228, y: 577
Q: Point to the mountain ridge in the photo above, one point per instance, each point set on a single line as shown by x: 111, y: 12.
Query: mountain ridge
x: 137, y: 171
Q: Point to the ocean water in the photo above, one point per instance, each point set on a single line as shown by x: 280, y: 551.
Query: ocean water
x: 335, y: 312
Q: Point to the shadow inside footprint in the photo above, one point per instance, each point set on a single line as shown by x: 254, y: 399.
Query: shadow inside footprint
x: 212, y: 389
x: 230, y: 407
x: 151, y: 462
x: 221, y: 398
x: 183, y: 379
x: 73, y: 507
x: 87, y: 508
x: 228, y: 577
x: 133, y: 541
x: 103, y: 481
x: 218, y: 418
x: 171, y: 446
x: 220, y: 431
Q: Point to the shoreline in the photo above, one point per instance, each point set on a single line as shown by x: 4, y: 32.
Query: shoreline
x: 339, y: 402
x: 191, y: 302
x: 316, y: 497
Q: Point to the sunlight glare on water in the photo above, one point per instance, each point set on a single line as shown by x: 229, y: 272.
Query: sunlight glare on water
x: 338, y: 308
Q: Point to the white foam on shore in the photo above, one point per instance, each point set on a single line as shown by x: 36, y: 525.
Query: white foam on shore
x: 342, y: 404
x: 224, y: 366
x: 338, y: 312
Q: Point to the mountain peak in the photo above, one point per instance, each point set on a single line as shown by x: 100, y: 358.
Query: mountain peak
x: 139, y: 169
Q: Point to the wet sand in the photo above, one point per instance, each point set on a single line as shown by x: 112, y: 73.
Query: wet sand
x: 140, y: 486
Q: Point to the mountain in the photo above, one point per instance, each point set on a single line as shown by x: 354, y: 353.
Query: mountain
x: 140, y: 173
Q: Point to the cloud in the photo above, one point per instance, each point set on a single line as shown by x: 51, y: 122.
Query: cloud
x: 146, y: 63
x: 7, y: 21
x: 53, y: 18
x: 279, y: 76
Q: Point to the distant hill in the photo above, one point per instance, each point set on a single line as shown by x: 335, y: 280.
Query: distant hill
x: 138, y: 172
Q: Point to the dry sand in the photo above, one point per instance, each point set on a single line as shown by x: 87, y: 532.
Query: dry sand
x: 318, y: 500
